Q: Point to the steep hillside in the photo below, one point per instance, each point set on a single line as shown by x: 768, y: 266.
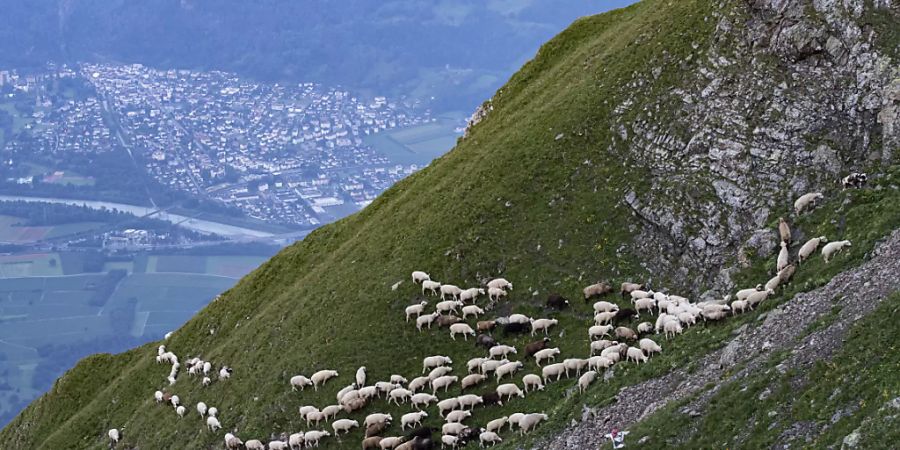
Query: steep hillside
x: 656, y: 143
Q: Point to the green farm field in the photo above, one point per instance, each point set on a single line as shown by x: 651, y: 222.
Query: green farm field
x: 417, y: 144
x: 12, y: 232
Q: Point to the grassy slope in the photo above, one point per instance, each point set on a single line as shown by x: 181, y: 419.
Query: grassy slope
x: 326, y: 303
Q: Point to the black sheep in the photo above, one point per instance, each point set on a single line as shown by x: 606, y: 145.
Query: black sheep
x: 485, y: 341
x: 536, y: 346
x: 516, y: 328
x: 420, y: 443
x: 557, y: 301
x: 490, y: 398
x: 421, y: 433
x: 624, y: 314
x: 469, y: 435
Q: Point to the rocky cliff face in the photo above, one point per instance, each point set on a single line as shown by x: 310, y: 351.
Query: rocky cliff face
x: 788, y: 97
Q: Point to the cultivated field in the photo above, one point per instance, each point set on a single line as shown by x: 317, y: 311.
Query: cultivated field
x: 13, y: 233
x: 416, y: 145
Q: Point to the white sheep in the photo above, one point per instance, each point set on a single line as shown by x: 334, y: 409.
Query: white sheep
x: 390, y: 442
x: 299, y: 382
x: 508, y: 369
x: 457, y: 416
x: 501, y: 351
x: 384, y: 387
x: 644, y: 304
x: 557, y: 369
x: 398, y: 379
x: 576, y: 364
x: 635, y: 354
x: 605, y: 307
x: 650, y: 346
x: 783, y: 257
x: 158, y: 396
x: 547, y: 353
x: 368, y: 392
x: 304, y: 410
x: 415, y: 310
x: 832, y: 248
x: 418, y: 383
x: 773, y: 283
x: 114, y: 436
x: 530, y: 421
x: 314, y: 417
x: 431, y: 362
x: 602, y: 344
x: 451, y: 290
x: 447, y: 306
x: 331, y: 411
x: 449, y: 440
x: 644, y: 327
x: 422, y: 399
x: 443, y: 382
x: 469, y: 400
x: 212, y: 424
x: 431, y: 286
x: 542, y: 325
x: 810, y: 247
x: 500, y: 283
x: 175, y: 401
x: 672, y: 328
x: 805, y: 200
x: 212, y: 411
x: 470, y: 294
x: 452, y: 428
x: 412, y: 419
x: 461, y: 328
x: 474, y: 364
x: 202, y: 409
x: 602, y: 318
x: 508, y: 390
x: 296, y: 441
x: 585, y: 380
x: 447, y: 404
x: 496, y: 424
x: 738, y: 306
x: 225, y: 373
x: 514, y: 419
x: 419, y: 276
x: 614, y: 353
x: 426, y: 319
x: 232, y: 442
x: 472, y: 310
x: 489, y: 437
x: 637, y: 293
x: 399, y: 394
x: 661, y: 320
x: 472, y: 380
x: 532, y: 381
x: 496, y: 293
x: 206, y: 381
x: 312, y: 438
x: 361, y: 376
x: 255, y: 444
x: 343, y: 425
x: 168, y: 335
x: 321, y: 377
x: 598, y: 331
x: 492, y: 365
x: 207, y: 367
x: 344, y: 390
x: 758, y: 297
x: 599, y: 362
x: 744, y: 293
x: 278, y: 445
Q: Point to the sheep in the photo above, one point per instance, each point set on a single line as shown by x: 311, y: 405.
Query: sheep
x: 686, y: 318
x: 501, y: 351
x: 508, y: 390
x: 390, y: 442
x: 416, y: 310
x: 399, y: 394
x: 805, y: 200
x: 461, y: 328
x: 431, y: 286
x: 832, y: 248
x: 784, y: 230
x: 758, y: 297
x: 596, y: 290
x: 452, y: 428
x: 496, y: 424
x: 738, y: 306
x: 635, y: 354
x: 650, y: 346
x: 443, y: 382
x: 508, y: 369
x: 299, y: 382
x: 603, y: 306
x: 489, y: 437
x: 212, y: 411
x: 575, y: 364
x: 628, y: 288
x: 585, y: 380
x: 422, y: 399
x: 254, y: 444
x: 499, y: 283
x: 773, y: 283
x: 376, y: 429
x: 483, y: 340
x: 368, y: 392
x: 451, y: 290
x: 418, y: 276
x: 469, y: 400
x: 158, y: 396
x: 384, y: 387
x: 536, y: 346
x: 663, y: 317
x: 471, y: 294
x: 547, y: 353
x: 344, y: 391
x: 485, y: 325
x: 398, y: 379
x: 212, y: 424
x: 644, y: 303
x: 672, y: 328
x: 331, y: 411
x: 471, y: 310
x: 519, y: 318
x: 207, y: 367
x: 602, y: 344
x: 542, y: 325
x: 530, y: 421
x: 312, y: 438
x: 496, y: 293
x: 626, y: 333
x: 457, y: 416
x: 321, y: 377
x: 614, y: 353
x: 744, y: 293
x: 278, y: 445
x: 225, y: 373
x: 446, y: 321
x: 449, y: 440
x: 304, y: 410
x: 532, y: 381
x: 371, y: 443
x: 447, y: 306
x: 418, y: 383
x: 557, y: 302
x: 180, y: 410
x: 491, y: 398
x: 474, y: 364
x: 431, y: 362
x: 854, y: 180
x: 715, y: 315
x: 439, y: 372
x: 511, y: 328
x: 785, y: 275
x: 206, y: 381
x: 603, y: 318
x: 624, y: 314
x: 447, y: 404
x: 427, y: 319
x: 201, y: 408
x: 599, y: 362
x: 514, y: 419
x: 317, y: 416
x: 472, y: 380
x: 783, y: 256
x: 644, y: 328
x: 232, y: 442
x: 639, y: 293
x: 344, y: 425
x: 492, y: 365
x: 114, y: 436
x: 598, y: 331
x: 175, y: 401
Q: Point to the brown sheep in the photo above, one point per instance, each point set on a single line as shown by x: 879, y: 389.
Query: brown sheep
x: 371, y: 442
x: 596, y: 290
x: 536, y: 346
x: 787, y: 273
x: 627, y: 288
x: 626, y: 333
x: 355, y: 404
x: 446, y: 321
x: 784, y: 230
x: 485, y: 325
x: 376, y: 428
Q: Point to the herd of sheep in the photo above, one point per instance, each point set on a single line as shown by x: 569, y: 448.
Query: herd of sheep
x: 609, y: 344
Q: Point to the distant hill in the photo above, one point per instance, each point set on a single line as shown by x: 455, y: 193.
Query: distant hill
x: 658, y: 143
x: 457, y: 51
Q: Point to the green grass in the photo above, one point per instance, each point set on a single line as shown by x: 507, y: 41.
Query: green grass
x: 509, y: 200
